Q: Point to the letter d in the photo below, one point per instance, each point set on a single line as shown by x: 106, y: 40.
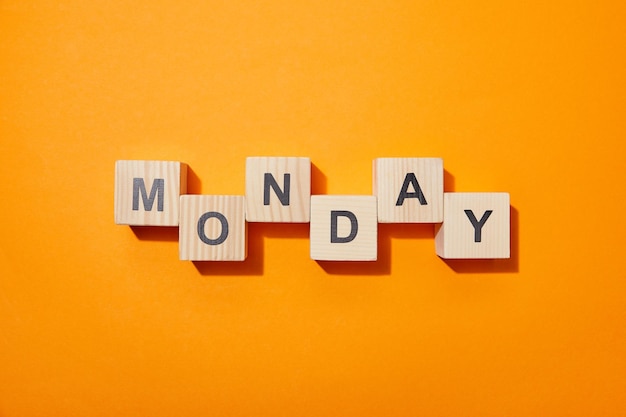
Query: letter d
x: 354, y: 226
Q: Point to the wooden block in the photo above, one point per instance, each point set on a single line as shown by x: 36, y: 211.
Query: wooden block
x: 278, y: 189
x: 409, y: 190
x: 147, y: 192
x: 212, y: 228
x: 343, y: 228
x: 475, y: 226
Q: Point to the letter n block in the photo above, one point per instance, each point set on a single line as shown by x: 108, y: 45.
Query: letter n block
x: 343, y: 228
x: 212, y: 228
x: 475, y: 226
x: 409, y: 190
x: 278, y: 189
x: 147, y: 192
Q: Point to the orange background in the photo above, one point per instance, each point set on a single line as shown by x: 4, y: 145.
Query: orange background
x: 104, y: 320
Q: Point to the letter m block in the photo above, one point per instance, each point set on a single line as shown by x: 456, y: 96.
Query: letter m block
x: 147, y: 193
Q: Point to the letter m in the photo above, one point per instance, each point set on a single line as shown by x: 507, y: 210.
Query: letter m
x: 157, y: 191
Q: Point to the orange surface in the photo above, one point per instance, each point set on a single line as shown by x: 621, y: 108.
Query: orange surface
x: 104, y: 320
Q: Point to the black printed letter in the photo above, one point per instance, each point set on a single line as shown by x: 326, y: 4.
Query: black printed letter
x: 411, y: 180
x: 283, y: 196
x: 202, y: 221
x: 354, y: 226
x: 158, y: 187
x: 478, y: 225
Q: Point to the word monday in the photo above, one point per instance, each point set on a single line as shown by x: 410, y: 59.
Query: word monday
x: 342, y: 227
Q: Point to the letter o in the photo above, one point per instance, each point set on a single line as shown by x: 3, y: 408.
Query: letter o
x: 202, y: 221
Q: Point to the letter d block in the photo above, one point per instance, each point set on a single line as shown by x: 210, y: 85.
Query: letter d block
x: 475, y: 226
x: 147, y: 192
x: 343, y: 228
x: 212, y: 228
x: 278, y: 189
x: 409, y: 190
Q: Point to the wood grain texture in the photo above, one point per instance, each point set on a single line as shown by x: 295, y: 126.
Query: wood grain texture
x: 224, y: 230
x: 364, y: 245
x: 389, y: 176
x: 174, y: 176
x: 456, y: 237
x: 298, y: 208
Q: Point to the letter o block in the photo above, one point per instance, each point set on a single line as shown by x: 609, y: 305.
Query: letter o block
x: 343, y: 228
x: 212, y: 228
x: 147, y: 192
x: 475, y: 226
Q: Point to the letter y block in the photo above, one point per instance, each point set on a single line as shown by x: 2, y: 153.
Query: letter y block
x: 475, y: 226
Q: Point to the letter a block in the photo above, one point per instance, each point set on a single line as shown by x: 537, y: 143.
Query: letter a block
x: 343, y: 228
x: 409, y: 190
x: 147, y: 192
x: 475, y: 226
x: 212, y: 228
x: 278, y: 189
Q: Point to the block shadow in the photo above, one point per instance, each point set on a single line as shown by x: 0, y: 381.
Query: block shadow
x: 448, y: 181
x: 475, y: 266
x: 156, y: 233
x: 283, y: 230
x: 253, y: 265
x: 387, y: 231
x: 318, y: 180
x: 382, y: 266
x: 194, y: 183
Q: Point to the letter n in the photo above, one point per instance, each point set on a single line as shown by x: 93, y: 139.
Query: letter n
x: 283, y: 195
x: 354, y: 226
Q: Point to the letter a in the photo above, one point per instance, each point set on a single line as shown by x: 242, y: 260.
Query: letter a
x: 404, y: 193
